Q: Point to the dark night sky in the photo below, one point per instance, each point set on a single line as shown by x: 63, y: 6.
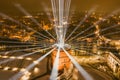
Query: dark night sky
x: 7, y: 6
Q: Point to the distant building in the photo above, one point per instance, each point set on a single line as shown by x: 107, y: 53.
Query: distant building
x: 113, y: 61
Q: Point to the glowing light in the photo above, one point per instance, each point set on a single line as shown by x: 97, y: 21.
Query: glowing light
x: 60, y: 26
x: 35, y: 21
x: 100, y: 18
x: 36, y: 70
x: 12, y: 57
x: 4, y: 56
x: 81, y: 22
x: 22, y: 72
x: 25, y: 78
x: 29, y: 59
x: 14, y: 69
x: 27, y: 72
x: 0, y: 66
x: 23, y: 69
x: 64, y: 23
x: 6, y: 68
x: 61, y: 21
x: 20, y: 58
x: 35, y: 62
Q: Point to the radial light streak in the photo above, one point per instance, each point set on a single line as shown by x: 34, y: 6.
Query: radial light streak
x: 97, y: 47
x: 67, y: 8
x: 46, y: 9
x: 11, y: 19
x: 54, y: 9
x: 37, y: 36
x: 66, y: 15
x: 17, y: 29
x: 61, y: 18
x: 60, y: 27
x: 80, y: 69
x: 61, y: 10
x: 54, y: 72
x: 5, y: 25
x: 81, y: 22
x: 96, y: 23
x: 20, y: 46
x: 21, y: 73
x: 22, y: 56
x: 16, y: 42
x: 109, y: 27
x: 35, y: 21
x: 84, y: 50
x: 55, y: 14
x: 26, y: 32
x: 101, y: 30
x: 111, y: 33
x: 12, y: 51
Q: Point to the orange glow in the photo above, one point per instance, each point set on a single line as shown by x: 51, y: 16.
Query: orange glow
x: 51, y: 40
x: 46, y: 27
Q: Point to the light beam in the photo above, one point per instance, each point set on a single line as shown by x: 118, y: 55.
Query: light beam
x: 80, y: 69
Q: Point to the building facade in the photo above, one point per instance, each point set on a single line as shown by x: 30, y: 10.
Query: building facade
x: 113, y: 62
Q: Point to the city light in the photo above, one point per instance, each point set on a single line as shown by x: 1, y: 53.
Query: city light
x: 60, y: 42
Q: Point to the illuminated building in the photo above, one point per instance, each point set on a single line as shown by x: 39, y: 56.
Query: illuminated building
x: 64, y: 61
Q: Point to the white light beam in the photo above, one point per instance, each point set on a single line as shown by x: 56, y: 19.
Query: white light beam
x: 22, y: 56
x: 96, y: 23
x: 86, y: 16
x: 27, y: 27
x: 21, y: 73
x: 54, y: 73
x: 35, y: 21
x: 80, y: 69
